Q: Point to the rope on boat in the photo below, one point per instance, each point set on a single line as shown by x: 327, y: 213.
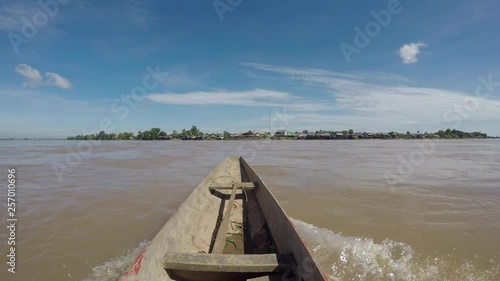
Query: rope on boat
x: 246, y: 196
x: 235, y: 246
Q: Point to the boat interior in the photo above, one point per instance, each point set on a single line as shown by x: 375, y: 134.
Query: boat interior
x: 232, y: 239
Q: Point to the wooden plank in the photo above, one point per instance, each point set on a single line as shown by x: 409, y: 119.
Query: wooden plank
x: 240, y: 185
x: 267, y: 263
x: 220, y: 240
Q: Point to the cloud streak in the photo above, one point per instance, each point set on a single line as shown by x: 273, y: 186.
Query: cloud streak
x: 257, y: 97
x: 359, y: 100
x: 11, y: 15
x: 250, y: 98
x: 138, y: 14
x: 387, y: 103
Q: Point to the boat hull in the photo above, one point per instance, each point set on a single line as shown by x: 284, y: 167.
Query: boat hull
x: 219, y: 219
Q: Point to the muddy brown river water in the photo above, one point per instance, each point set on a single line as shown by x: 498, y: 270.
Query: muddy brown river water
x: 370, y: 210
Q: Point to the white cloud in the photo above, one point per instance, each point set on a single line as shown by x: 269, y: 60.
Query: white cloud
x: 35, y: 79
x: 409, y: 52
x: 57, y: 80
x: 255, y: 97
x: 362, y: 103
x: 297, y: 73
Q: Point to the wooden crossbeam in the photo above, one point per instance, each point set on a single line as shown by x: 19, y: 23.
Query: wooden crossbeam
x: 239, y: 185
x: 267, y: 263
x: 220, y: 240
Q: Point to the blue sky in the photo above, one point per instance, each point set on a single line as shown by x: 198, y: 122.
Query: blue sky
x: 225, y: 65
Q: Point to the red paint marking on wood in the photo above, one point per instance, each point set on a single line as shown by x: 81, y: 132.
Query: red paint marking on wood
x: 136, y: 266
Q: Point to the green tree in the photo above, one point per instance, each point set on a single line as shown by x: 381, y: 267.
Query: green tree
x: 154, y: 133
x: 194, y: 131
x: 126, y: 135
x: 142, y: 135
x: 100, y: 135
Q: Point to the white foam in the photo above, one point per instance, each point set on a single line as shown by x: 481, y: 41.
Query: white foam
x: 113, y: 269
x: 350, y: 258
x: 355, y: 258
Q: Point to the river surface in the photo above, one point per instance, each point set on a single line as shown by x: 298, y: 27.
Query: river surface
x: 370, y: 210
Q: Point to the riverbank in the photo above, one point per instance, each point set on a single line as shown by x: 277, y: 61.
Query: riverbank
x: 195, y: 134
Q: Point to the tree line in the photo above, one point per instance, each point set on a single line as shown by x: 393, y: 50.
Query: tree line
x: 152, y: 134
x: 457, y: 134
x: 159, y: 134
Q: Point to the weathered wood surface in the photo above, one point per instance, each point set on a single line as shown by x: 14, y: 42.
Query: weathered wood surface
x: 267, y: 263
x: 191, y: 228
x: 220, y: 241
x: 239, y: 185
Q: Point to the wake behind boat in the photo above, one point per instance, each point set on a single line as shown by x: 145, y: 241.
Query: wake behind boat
x: 229, y: 228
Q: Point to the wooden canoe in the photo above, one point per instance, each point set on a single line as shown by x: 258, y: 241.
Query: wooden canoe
x: 229, y: 228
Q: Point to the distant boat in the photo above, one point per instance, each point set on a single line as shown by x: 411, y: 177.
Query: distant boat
x: 193, y: 138
x: 229, y: 228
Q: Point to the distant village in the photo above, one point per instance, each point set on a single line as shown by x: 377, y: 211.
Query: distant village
x: 195, y: 134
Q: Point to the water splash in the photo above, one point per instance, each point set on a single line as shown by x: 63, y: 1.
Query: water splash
x: 361, y: 259
x: 113, y: 269
x: 347, y: 258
